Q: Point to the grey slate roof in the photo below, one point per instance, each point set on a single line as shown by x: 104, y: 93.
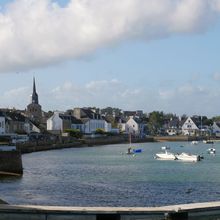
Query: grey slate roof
x: 70, y: 118
x: 90, y: 114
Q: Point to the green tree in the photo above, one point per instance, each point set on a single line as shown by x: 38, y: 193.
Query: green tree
x: 99, y: 131
x: 74, y: 133
x: 216, y: 118
x: 155, y: 123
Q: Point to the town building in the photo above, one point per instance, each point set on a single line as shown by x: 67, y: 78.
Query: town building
x: 172, y: 126
x: 135, y: 126
x: 216, y: 129
x: 2, y: 123
x: 190, y: 127
x: 59, y: 122
x: 34, y: 111
x: 91, y: 119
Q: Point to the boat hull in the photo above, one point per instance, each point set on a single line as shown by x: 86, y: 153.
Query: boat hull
x: 187, y: 157
x: 165, y: 156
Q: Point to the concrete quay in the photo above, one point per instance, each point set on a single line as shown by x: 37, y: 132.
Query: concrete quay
x: 201, y: 211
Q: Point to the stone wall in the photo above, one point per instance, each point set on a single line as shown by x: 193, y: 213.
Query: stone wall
x: 11, y: 162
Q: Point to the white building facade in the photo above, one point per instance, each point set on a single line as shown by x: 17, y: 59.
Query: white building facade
x: 91, y: 125
x: 216, y: 129
x: 134, y: 127
x: 55, y: 123
x: 189, y: 127
x: 2, y: 125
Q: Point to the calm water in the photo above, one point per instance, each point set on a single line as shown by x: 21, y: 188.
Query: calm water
x: 105, y: 176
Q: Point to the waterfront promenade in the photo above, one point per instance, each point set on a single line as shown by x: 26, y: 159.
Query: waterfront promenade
x: 194, y: 211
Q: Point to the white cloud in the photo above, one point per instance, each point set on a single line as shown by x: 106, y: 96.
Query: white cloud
x: 103, y: 84
x: 35, y: 33
x: 166, y: 94
x: 96, y: 93
x: 18, y: 98
x: 216, y: 76
x: 187, y: 98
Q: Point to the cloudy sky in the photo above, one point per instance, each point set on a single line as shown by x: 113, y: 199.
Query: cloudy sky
x: 133, y: 54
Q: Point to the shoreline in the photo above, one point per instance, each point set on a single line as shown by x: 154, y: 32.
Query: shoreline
x: 35, y: 147
x: 106, y: 140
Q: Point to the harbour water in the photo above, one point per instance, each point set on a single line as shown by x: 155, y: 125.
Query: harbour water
x: 107, y: 176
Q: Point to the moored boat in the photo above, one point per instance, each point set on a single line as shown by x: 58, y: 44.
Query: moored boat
x: 165, y: 156
x: 208, y: 142
x: 211, y: 150
x: 165, y: 148
x: 188, y: 157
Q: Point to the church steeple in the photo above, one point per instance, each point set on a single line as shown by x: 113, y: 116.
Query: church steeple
x: 34, y: 111
x: 34, y: 94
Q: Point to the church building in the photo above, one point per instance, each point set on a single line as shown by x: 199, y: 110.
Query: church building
x: 34, y: 111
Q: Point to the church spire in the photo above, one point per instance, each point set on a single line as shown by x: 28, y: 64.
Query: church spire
x: 34, y: 94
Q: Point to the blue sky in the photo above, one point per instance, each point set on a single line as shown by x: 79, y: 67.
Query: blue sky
x: 131, y: 59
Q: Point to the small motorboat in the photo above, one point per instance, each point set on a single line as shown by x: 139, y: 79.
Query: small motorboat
x: 137, y: 151
x: 211, y: 150
x: 188, y: 157
x: 194, y: 142
x: 165, y: 156
x: 208, y: 142
x: 165, y: 148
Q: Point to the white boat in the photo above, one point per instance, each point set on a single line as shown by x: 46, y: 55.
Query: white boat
x: 165, y: 148
x: 194, y: 142
x: 211, y: 150
x: 208, y: 142
x: 165, y: 156
x: 188, y: 157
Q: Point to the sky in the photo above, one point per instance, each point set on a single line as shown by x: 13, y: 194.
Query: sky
x: 148, y: 55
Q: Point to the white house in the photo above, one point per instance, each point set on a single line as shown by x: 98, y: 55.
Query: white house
x: 58, y: 122
x: 55, y: 123
x: 91, y: 119
x: 121, y: 124
x: 2, y: 124
x: 108, y: 126
x: 91, y: 125
x: 189, y: 127
x: 172, y: 127
x: 134, y: 126
x: 216, y: 129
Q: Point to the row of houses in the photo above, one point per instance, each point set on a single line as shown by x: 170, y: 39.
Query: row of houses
x: 88, y: 120
x: 12, y: 122
x: 85, y: 120
x: 191, y: 126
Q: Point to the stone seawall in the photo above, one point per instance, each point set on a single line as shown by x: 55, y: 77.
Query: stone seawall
x: 11, y: 163
x: 176, y: 138
x: 105, y: 140
x: 43, y: 146
x: 33, y: 147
